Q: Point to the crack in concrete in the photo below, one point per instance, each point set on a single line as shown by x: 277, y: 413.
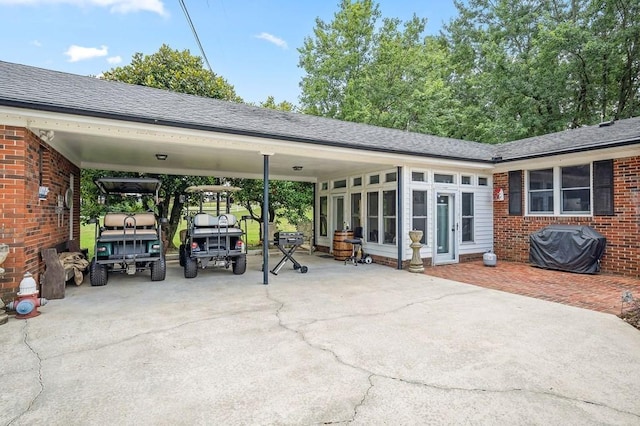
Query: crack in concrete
x: 372, y: 374
x: 303, y: 338
x: 390, y: 311
x: 155, y: 331
x: 25, y: 337
x: 511, y: 390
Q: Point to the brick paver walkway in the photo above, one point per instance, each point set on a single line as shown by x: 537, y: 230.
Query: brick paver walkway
x: 601, y: 292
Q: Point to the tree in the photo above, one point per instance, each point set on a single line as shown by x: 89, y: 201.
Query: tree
x: 174, y: 70
x: 270, y: 103
x: 534, y: 67
x: 290, y: 199
x: 386, y: 74
x: 335, y: 58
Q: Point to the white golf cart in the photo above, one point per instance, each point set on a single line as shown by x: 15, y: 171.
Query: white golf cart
x: 212, y: 238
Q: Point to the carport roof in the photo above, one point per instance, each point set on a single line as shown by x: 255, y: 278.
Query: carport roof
x: 36, y: 88
x: 32, y: 88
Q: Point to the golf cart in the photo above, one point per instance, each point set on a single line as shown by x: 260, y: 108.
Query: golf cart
x: 211, y: 239
x: 127, y: 242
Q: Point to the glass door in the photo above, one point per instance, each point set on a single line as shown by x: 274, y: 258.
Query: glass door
x: 445, y: 235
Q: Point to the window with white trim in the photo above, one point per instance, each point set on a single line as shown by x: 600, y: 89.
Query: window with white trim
x: 443, y: 178
x: 389, y: 216
x: 541, y: 191
x: 419, y: 213
x: 565, y: 190
x: 372, y: 217
x: 342, y: 183
x: 356, y: 197
x: 576, y: 189
x: 418, y: 177
x: 323, y: 216
x: 467, y: 217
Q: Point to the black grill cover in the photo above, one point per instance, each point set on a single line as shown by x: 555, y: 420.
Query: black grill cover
x: 572, y: 248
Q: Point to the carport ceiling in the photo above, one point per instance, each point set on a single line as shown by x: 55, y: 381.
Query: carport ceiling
x: 110, y: 145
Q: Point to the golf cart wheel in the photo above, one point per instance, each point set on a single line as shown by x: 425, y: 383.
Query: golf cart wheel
x: 182, y: 254
x: 190, y: 267
x: 97, y: 273
x: 303, y: 269
x: 159, y: 269
x: 240, y: 264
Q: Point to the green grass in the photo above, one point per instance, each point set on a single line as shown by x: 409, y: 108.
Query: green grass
x: 87, y: 232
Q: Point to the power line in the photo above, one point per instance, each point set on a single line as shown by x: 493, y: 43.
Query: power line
x: 195, y: 34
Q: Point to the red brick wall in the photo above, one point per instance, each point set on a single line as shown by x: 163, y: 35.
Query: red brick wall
x: 622, y: 230
x: 28, y: 224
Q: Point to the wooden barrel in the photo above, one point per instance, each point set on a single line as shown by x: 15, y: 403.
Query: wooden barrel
x: 342, y: 249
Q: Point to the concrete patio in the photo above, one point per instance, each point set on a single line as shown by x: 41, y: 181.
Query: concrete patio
x: 340, y: 344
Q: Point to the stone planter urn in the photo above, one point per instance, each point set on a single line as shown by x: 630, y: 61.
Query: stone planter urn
x: 416, y: 262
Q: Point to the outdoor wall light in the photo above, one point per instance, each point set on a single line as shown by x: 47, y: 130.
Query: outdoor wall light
x: 161, y: 157
x: 297, y: 168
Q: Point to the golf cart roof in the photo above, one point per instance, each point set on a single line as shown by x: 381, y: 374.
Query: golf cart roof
x: 211, y: 188
x: 128, y: 185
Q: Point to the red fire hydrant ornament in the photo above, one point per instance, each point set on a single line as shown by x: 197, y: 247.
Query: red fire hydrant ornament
x: 27, y: 303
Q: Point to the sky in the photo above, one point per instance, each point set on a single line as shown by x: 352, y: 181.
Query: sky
x: 251, y: 43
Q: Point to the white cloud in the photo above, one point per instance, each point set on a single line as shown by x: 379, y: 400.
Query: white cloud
x: 115, y: 6
x: 35, y: 43
x: 271, y: 39
x: 114, y: 60
x: 79, y: 53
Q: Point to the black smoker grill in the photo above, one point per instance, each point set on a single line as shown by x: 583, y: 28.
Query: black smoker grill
x: 288, y: 242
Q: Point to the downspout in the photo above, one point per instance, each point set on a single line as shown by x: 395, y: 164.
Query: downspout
x: 314, y: 220
x: 400, y: 215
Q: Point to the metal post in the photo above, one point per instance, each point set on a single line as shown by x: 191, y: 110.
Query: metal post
x: 265, y: 222
x: 399, y: 216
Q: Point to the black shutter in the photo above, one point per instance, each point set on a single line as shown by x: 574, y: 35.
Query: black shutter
x: 515, y: 193
x: 603, y: 188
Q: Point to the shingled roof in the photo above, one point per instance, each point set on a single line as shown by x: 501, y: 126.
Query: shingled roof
x: 604, y: 135
x: 40, y: 89
x: 35, y: 88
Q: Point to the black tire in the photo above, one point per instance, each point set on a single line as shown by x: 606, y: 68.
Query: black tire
x: 182, y: 254
x: 98, y: 274
x: 190, y: 267
x: 159, y: 269
x: 303, y: 270
x: 240, y: 264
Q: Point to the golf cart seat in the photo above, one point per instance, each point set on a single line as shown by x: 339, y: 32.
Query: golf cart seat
x: 138, y: 225
x: 204, y: 223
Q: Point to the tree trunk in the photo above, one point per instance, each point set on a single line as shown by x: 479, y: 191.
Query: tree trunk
x: 174, y: 219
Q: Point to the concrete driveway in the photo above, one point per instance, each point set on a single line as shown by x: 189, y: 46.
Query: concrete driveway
x: 341, y: 344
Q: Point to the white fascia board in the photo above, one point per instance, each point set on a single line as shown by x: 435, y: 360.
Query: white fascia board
x: 109, y: 128
x: 569, y: 159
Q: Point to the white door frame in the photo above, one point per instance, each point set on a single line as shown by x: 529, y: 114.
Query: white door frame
x: 450, y: 250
